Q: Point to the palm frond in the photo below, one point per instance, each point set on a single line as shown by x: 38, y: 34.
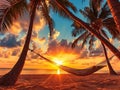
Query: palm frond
x: 77, y: 26
x: 47, y: 17
x: 111, y: 27
x: 88, y: 13
x: 78, y: 29
x: 105, y: 12
x: 91, y: 42
x: 68, y: 4
x: 77, y: 32
x: 85, y: 40
x: 79, y: 38
x: 58, y: 10
x: 85, y: 14
x: 4, y: 4
x: 114, y: 32
x: 11, y: 13
x: 94, y: 7
x: 104, y: 33
x: 31, y: 5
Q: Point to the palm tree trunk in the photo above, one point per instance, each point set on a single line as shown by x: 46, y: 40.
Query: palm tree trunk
x: 114, y: 6
x: 112, y: 72
x: 79, y: 21
x: 11, y: 77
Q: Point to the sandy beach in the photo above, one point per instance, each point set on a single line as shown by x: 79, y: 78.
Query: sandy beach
x: 66, y: 82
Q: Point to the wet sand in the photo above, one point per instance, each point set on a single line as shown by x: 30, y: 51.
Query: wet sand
x: 66, y: 82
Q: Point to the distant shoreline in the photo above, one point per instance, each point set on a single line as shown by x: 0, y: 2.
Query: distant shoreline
x: 31, y: 71
x: 41, y: 71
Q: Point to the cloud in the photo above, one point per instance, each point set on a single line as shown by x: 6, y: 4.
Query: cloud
x: 16, y: 51
x: 39, y: 25
x: 8, y: 52
x: 31, y: 55
x: 19, y: 30
x: 14, y: 41
x: 35, y: 38
x: 12, y: 45
x: 61, y: 47
x: 63, y: 43
x: 36, y: 41
x: 84, y: 53
x: 10, y: 41
x: 22, y: 23
x: 39, y: 22
x: 53, y: 45
x: 55, y: 34
x: 97, y: 43
x: 97, y: 51
x: 15, y: 28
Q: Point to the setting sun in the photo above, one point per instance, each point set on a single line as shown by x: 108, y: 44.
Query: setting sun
x: 58, y: 62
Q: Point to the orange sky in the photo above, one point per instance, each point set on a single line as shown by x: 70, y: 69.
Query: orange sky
x: 59, y: 48
x: 68, y: 59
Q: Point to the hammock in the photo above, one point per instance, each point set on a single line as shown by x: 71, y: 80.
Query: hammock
x: 78, y: 72
x: 86, y: 71
x: 81, y: 72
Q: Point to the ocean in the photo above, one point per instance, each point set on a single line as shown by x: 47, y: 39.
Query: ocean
x: 34, y: 71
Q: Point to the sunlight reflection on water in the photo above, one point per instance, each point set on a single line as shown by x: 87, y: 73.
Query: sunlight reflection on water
x: 33, y: 71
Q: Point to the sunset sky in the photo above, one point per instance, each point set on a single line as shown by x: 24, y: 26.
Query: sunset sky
x: 11, y: 44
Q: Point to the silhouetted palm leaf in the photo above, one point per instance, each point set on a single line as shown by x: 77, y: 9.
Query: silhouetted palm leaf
x: 85, y: 40
x: 79, y: 38
x: 105, y: 34
x: 91, y: 42
x: 98, y: 16
x: 48, y: 19
x: 58, y: 10
x: 9, y: 13
x: 78, y: 29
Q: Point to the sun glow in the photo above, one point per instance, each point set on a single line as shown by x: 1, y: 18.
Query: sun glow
x: 58, y: 71
x: 58, y: 62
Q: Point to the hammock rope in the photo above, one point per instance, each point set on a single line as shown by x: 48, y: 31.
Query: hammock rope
x: 78, y: 72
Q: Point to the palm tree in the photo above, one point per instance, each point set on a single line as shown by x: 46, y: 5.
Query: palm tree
x: 114, y: 6
x: 11, y: 77
x: 99, y: 18
x: 95, y: 33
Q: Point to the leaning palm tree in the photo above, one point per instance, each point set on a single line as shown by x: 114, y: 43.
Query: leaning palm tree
x: 91, y: 30
x: 99, y: 18
x: 14, y: 11
x: 114, y: 6
x: 11, y: 77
